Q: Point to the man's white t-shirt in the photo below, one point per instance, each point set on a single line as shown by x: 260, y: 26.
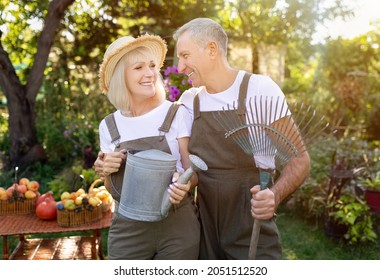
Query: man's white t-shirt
x: 259, y: 86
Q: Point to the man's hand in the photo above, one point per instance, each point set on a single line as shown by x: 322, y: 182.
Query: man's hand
x: 262, y: 203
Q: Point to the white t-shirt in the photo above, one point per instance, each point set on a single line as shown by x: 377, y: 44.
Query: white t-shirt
x: 259, y: 86
x: 147, y: 125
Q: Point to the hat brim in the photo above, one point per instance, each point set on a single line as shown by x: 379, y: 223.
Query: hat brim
x: 154, y: 43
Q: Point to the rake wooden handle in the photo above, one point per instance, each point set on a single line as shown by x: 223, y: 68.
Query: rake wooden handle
x: 265, y: 178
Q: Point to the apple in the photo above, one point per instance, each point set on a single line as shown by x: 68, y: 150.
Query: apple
x: 23, y: 181
x: 94, y: 201
x: 33, y: 186
x: 78, y: 200
x: 30, y: 194
x: 102, y: 194
x: 21, y: 188
x: 73, y: 195
x: 3, y: 194
x: 80, y: 192
x: 69, y: 204
x: 65, y: 195
x: 10, y: 190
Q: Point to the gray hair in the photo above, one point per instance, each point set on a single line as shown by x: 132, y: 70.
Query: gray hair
x: 204, y: 30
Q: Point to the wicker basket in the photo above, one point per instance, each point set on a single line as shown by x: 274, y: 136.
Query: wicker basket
x: 17, y: 207
x: 70, y: 218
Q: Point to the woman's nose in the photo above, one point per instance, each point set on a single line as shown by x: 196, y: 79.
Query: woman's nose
x: 149, y: 72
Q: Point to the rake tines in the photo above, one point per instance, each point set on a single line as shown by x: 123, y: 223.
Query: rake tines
x: 272, y: 132
x: 272, y: 128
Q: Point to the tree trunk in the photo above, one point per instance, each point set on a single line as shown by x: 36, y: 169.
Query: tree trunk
x: 255, y: 59
x: 20, y: 98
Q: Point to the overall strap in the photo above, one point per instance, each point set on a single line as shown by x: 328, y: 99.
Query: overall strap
x: 112, y: 128
x: 243, y: 94
x: 196, y: 107
x: 165, y: 127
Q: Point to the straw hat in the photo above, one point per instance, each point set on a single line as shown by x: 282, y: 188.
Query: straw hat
x: 123, y: 45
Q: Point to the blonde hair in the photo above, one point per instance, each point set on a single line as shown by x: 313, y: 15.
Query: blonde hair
x: 118, y: 93
x: 204, y: 30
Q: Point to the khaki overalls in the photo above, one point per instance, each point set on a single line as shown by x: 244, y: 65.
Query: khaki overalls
x: 175, y: 237
x: 224, y: 191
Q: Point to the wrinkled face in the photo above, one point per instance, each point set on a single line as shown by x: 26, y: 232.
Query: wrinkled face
x: 192, y: 60
x: 141, y: 75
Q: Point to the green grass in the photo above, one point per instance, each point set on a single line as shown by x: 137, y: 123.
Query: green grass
x: 305, y: 240
x: 301, y: 240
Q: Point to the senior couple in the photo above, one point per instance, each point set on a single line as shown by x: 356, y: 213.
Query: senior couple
x: 218, y: 225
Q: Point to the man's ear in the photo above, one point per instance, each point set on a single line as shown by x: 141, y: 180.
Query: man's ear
x: 212, y: 49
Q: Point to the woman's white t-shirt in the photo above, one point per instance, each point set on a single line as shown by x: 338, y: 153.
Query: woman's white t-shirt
x: 147, y: 125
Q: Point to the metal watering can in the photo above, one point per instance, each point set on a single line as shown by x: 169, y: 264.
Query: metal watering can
x: 147, y: 176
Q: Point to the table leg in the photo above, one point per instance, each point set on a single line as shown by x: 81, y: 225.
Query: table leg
x: 98, y: 238
x: 5, y: 248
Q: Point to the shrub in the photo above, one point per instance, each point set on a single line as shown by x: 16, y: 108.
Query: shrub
x: 175, y: 83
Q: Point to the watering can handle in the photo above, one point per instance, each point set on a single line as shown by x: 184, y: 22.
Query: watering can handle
x: 183, y: 179
x: 197, y: 164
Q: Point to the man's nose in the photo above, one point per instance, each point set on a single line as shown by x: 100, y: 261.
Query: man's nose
x: 181, y: 66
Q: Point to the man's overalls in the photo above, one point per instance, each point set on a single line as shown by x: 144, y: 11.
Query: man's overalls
x: 224, y: 191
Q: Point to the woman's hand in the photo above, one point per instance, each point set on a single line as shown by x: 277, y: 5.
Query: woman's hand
x: 178, y: 191
x: 108, y: 163
x: 98, y: 165
x: 113, y: 161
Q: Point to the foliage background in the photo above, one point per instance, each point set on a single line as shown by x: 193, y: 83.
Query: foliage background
x: 340, y: 77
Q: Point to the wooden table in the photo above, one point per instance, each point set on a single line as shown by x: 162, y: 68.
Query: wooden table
x: 22, y: 225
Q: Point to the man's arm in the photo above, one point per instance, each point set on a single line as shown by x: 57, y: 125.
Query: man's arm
x: 292, y: 177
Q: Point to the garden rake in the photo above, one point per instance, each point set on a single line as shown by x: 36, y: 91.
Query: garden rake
x: 273, y: 133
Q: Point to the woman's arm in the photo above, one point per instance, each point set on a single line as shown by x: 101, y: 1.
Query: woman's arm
x: 178, y: 191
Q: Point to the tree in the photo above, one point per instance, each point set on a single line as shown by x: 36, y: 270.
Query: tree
x: 350, y: 74
x: 21, y: 97
x: 278, y: 22
x: 84, y: 30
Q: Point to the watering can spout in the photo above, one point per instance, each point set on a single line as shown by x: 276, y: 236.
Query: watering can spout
x: 196, y: 164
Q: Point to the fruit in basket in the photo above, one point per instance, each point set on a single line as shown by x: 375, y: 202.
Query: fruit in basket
x: 47, y: 210
x: 3, y: 194
x: 69, y: 204
x: 80, y: 192
x: 65, y: 195
x: 21, y: 188
x: 94, y: 201
x: 78, y: 200
x: 10, y: 191
x: 30, y: 194
x: 33, y: 185
x: 60, y: 206
x: 23, y: 181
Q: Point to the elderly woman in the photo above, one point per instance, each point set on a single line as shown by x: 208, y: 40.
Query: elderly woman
x: 129, y: 76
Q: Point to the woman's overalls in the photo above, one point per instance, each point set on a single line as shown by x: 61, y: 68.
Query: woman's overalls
x: 175, y: 237
x: 224, y: 191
